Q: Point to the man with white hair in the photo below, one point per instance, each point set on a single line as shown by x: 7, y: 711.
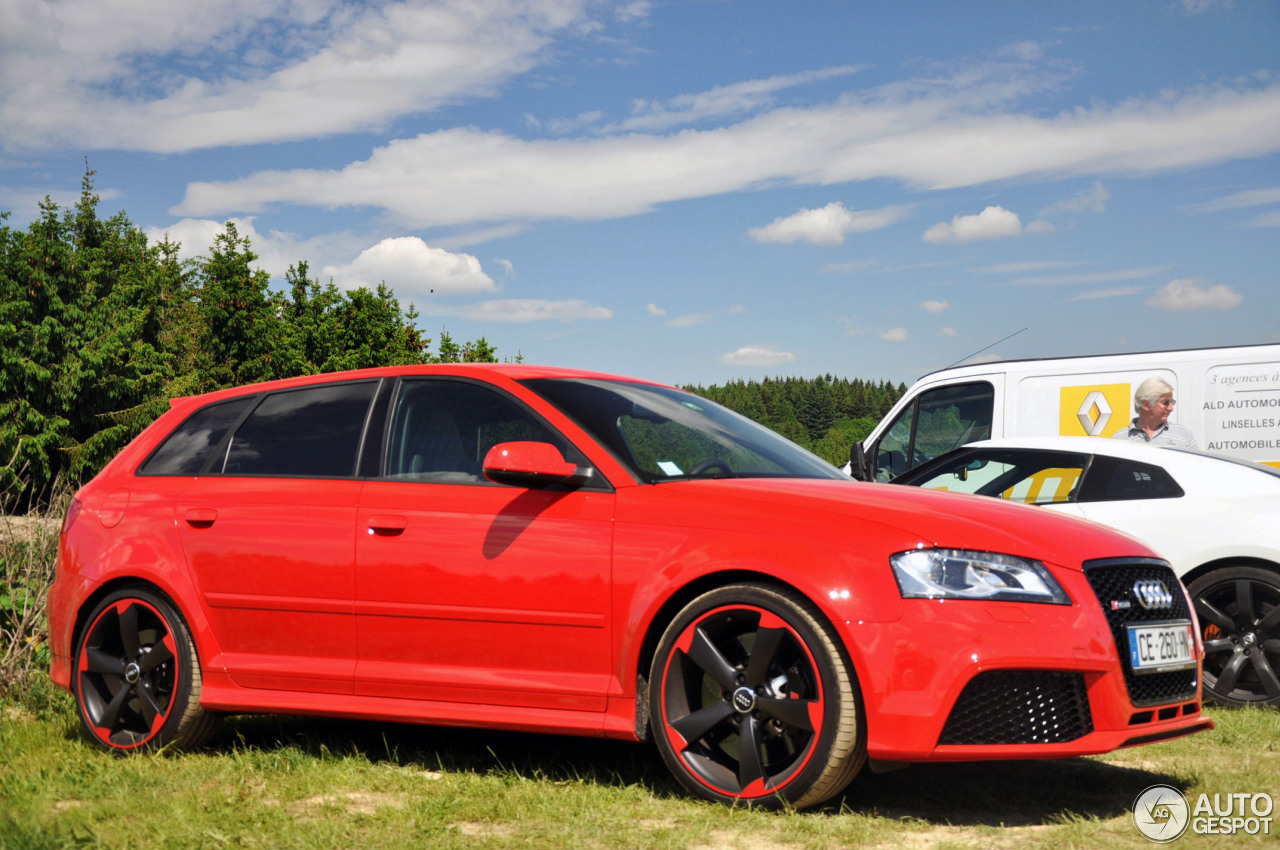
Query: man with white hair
x: 1153, y: 402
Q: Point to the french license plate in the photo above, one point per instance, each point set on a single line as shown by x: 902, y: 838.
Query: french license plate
x: 1156, y: 647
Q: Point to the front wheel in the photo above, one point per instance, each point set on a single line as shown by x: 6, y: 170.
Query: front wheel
x: 137, y: 678
x: 1239, y: 611
x: 754, y: 701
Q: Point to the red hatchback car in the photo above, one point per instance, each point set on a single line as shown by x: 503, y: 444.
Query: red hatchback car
x: 559, y: 551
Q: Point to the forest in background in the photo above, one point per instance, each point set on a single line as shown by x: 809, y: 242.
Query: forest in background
x: 826, y: 415
x: 99, y: 329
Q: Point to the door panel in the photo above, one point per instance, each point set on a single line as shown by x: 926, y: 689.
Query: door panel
x: 488, y: 594
x: 274, y: 560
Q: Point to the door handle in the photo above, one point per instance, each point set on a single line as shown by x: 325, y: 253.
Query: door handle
x: 387, y: 525
x: 201, y: 517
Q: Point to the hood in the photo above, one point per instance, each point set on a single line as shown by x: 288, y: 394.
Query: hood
x: 933, y: 518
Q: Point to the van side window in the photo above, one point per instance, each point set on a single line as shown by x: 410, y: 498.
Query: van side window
x: 308, y: 432
x: 442, y: 429
x: 895, y: 445
x: 937, y: 421
x: 190, y: 448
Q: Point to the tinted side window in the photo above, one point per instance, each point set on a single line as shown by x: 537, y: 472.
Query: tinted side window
x: 190, y: 448
x: 314, y: 431
x: 895, y: 445
x: 1115, y: 479
x: 441, y: 431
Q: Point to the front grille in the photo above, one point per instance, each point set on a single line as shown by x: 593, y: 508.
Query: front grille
x: 1113, y: 581
x: 1020, y: 707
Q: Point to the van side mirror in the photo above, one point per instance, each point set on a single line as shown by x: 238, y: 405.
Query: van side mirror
x: 527, y: 464
x: 858, y: 462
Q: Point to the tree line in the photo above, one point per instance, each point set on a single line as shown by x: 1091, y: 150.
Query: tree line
x: 825, y: 415
x: 99, y: 329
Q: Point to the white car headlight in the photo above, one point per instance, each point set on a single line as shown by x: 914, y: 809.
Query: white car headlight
x: 961, y: 574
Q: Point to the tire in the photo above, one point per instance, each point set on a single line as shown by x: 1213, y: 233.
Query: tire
x: 137, y: 678
x: 753, y: 700
x: 1239, y: 611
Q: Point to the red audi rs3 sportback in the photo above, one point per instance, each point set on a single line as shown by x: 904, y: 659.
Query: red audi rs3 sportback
x: 557, y: 551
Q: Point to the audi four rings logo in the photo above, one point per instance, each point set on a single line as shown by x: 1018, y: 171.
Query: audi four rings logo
x: 1152, y: 594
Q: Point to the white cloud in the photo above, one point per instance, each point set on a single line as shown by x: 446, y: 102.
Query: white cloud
x: 522, y: 310
x: 757, y: 355
x: 736, y: 98
x: 828, y: 225
x: 655, y: 310
x: 634, y: 10
x: 173, y: 75
x: 991, y: 223
x: 689, y: 320
x: 894, y: 335
x: 847, y: 267
x: 1240, y: 200
x: 948, y: 332
x: 935, y: 307
x: 1271, y: 219
x: 1040, y: 227
x: 1093, y: 199
x: 508, y: 268
x: 1190, y: 295
x: 928, y: 134
x: 1090, y: 277
x: 1112, y: 292
x: 1019, y: 268
x: 407, y: 264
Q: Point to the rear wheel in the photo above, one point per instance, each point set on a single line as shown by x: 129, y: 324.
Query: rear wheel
x: 754, y: 701
x: 137, y: 677
x: 1239, y: 612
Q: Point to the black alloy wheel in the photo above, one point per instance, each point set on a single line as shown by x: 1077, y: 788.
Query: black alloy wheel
x: 1239, y: 612
x: 136, y: 676
x: 753, y: 700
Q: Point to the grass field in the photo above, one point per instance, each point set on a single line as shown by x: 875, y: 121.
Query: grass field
x: 269, y: 782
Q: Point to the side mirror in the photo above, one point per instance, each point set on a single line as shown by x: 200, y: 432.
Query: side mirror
x: 858, y: 462
x: 527, y: 464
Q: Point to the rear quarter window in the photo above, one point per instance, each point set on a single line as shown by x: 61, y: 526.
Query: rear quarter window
x: 1112, y: 479
x: 191, y: 446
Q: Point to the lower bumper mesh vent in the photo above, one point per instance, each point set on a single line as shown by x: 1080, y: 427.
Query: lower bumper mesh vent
x: 1020, y: 707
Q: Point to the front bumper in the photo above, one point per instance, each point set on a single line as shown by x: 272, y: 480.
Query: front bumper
x: 959, y: 680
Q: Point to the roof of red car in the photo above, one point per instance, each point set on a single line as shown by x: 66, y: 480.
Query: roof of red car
x: 511, y: 371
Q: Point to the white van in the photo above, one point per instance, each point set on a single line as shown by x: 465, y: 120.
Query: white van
x: 1228, y: 397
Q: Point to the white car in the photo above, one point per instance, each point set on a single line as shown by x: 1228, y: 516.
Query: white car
x: 1216, y: 520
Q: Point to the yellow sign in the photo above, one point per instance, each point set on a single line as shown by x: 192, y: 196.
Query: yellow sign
x: 1094, y: 411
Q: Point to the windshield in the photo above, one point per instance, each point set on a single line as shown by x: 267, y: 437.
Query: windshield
x: 665, y: 434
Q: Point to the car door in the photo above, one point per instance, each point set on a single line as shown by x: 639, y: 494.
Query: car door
x: 472, y: 591
x: 268, y: 530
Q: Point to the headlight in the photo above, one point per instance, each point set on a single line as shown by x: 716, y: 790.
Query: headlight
x: 960, y: 574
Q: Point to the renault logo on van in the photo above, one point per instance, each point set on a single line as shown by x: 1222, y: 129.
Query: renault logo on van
x: 1094, y: 413
x: 1152, y: 594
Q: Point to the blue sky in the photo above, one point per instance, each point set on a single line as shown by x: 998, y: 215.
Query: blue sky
x: 693, y: 192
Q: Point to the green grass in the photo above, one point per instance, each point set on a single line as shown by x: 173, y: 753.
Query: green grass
x: 298, y: 782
